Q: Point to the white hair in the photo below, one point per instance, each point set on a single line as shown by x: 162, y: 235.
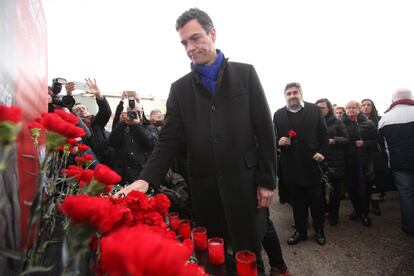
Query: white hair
x: 401, y: 94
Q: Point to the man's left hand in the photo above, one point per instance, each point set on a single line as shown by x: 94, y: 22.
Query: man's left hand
x: 318, y: 157
x: 264, y: 197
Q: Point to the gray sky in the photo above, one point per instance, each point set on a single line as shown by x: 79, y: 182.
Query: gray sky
x: 341, y: 50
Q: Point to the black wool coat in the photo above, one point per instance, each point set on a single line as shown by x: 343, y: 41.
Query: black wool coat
x: 362, y: 129
x: 335, y: 156
x: 296, y: 163
x: 132, y: 145
x: 230, y: 151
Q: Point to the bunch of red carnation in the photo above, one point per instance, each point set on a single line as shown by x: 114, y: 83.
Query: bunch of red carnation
x: 136, y: 240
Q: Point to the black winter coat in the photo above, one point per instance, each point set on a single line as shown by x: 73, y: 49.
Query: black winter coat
x: 362, y: 129
x: 133, y: 145
x: 335, y: 155
x: 298, y: 167
x: 98, y: 141
x: 230, y: 151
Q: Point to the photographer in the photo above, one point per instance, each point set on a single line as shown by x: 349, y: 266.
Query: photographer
x: 55, y: 101
x: 98, y: 141
x: 133, y: 138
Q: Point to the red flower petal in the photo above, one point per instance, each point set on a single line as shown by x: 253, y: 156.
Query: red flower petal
x: 10, y: 113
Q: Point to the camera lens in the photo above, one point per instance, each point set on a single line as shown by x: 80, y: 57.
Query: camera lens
x: 132, y: 115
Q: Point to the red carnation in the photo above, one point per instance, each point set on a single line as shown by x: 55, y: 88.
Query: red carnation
x: 72, y: 141
x: 88, y: 157
x: 53, y: 122
x: 35, y: 125
x: 72, y: 170
x: 193, y: 269
x: 68, y: 117
x: 105, y: 175
x: 292, y: 133
x: 10, y: 113
x: 160, y: 203
x: 155, y: 219
x: 139, y: 251
x: 91, y: 210
x: 79, y: 160
x: 85, y: 177
x: 82, y: 147
x: 137, y: 201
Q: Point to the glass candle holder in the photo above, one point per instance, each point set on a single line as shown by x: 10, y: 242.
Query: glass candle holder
x: 174, y: 221
x: 216, y: 251
x: 185, y: 228
x: 200, y: 238
x: 246, y: 263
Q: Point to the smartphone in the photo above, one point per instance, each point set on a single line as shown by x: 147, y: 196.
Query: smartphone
x: 81, y: 86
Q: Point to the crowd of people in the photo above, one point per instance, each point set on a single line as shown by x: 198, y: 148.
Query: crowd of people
x: 219, y: 148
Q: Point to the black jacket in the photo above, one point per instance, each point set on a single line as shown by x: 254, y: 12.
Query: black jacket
x: 335, y: 156
x: 98, y: 141
x: 362, y: 129
x: 133, y: 145
x: 230, y: 151
x: 298, y: 167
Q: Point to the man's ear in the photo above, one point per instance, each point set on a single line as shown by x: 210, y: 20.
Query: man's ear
x: 213, y: 34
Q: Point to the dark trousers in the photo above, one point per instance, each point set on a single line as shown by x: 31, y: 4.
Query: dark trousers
x: 358, y: 188
x: 334, y: 199
x: 304, y: 198
x: 272, y: 246
x: 404, y: 180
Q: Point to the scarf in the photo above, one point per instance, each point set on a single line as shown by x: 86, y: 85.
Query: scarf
x: 402, y: 101
x: 208, y: 73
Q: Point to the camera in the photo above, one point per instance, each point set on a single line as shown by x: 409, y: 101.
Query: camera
x: 59, y: 101
x: 132, y: 114
x: 57, y: 84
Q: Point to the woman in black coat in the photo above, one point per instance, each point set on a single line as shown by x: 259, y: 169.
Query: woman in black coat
x: 359, y: 163
x: 383, y: 178
x: 335, y: 157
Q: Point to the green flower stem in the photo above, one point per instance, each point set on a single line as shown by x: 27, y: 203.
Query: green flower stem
x: 6, y: 149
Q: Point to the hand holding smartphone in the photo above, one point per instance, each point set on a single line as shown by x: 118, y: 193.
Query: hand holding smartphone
x: 82, y: 86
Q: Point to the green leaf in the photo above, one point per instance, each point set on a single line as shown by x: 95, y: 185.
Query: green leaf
x: 54, y: 139
x: 12, y: 254
x: 34, y: 269
x: 9, y: 132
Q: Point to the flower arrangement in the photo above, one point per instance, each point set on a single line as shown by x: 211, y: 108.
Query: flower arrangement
x: 128, y: 235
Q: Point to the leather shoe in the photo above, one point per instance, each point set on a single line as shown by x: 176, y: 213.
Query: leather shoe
x: 276, y: 271
x: 366, y: 221
x: 320, y: 237
x: 296, y: 238
x: 354, y: 215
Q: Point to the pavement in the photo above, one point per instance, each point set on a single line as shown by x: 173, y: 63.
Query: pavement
x: 351, y: 249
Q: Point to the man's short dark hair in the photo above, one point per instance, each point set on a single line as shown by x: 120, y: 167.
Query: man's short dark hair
x: 293, y: 84
x: 195, y: 13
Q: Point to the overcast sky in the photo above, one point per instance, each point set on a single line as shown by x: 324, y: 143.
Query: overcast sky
x: 341, y: 50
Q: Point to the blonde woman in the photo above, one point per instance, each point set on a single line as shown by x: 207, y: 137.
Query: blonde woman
x: 359, y: 164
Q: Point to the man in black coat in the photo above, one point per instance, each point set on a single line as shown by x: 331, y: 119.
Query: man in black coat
x: 98, y: 141
x: 303, y: 140
x: 133, y: 137
x: 219, y: 111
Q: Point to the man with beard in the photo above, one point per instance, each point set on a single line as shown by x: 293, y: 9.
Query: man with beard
x: 302, y: 140
x: 219, y: 111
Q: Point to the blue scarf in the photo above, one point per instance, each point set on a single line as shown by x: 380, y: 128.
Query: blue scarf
x: 208, y: 73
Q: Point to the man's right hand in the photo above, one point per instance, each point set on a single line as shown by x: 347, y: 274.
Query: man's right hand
x: 139, y: 185
x: 284, y: 141
x: 94, y: 89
